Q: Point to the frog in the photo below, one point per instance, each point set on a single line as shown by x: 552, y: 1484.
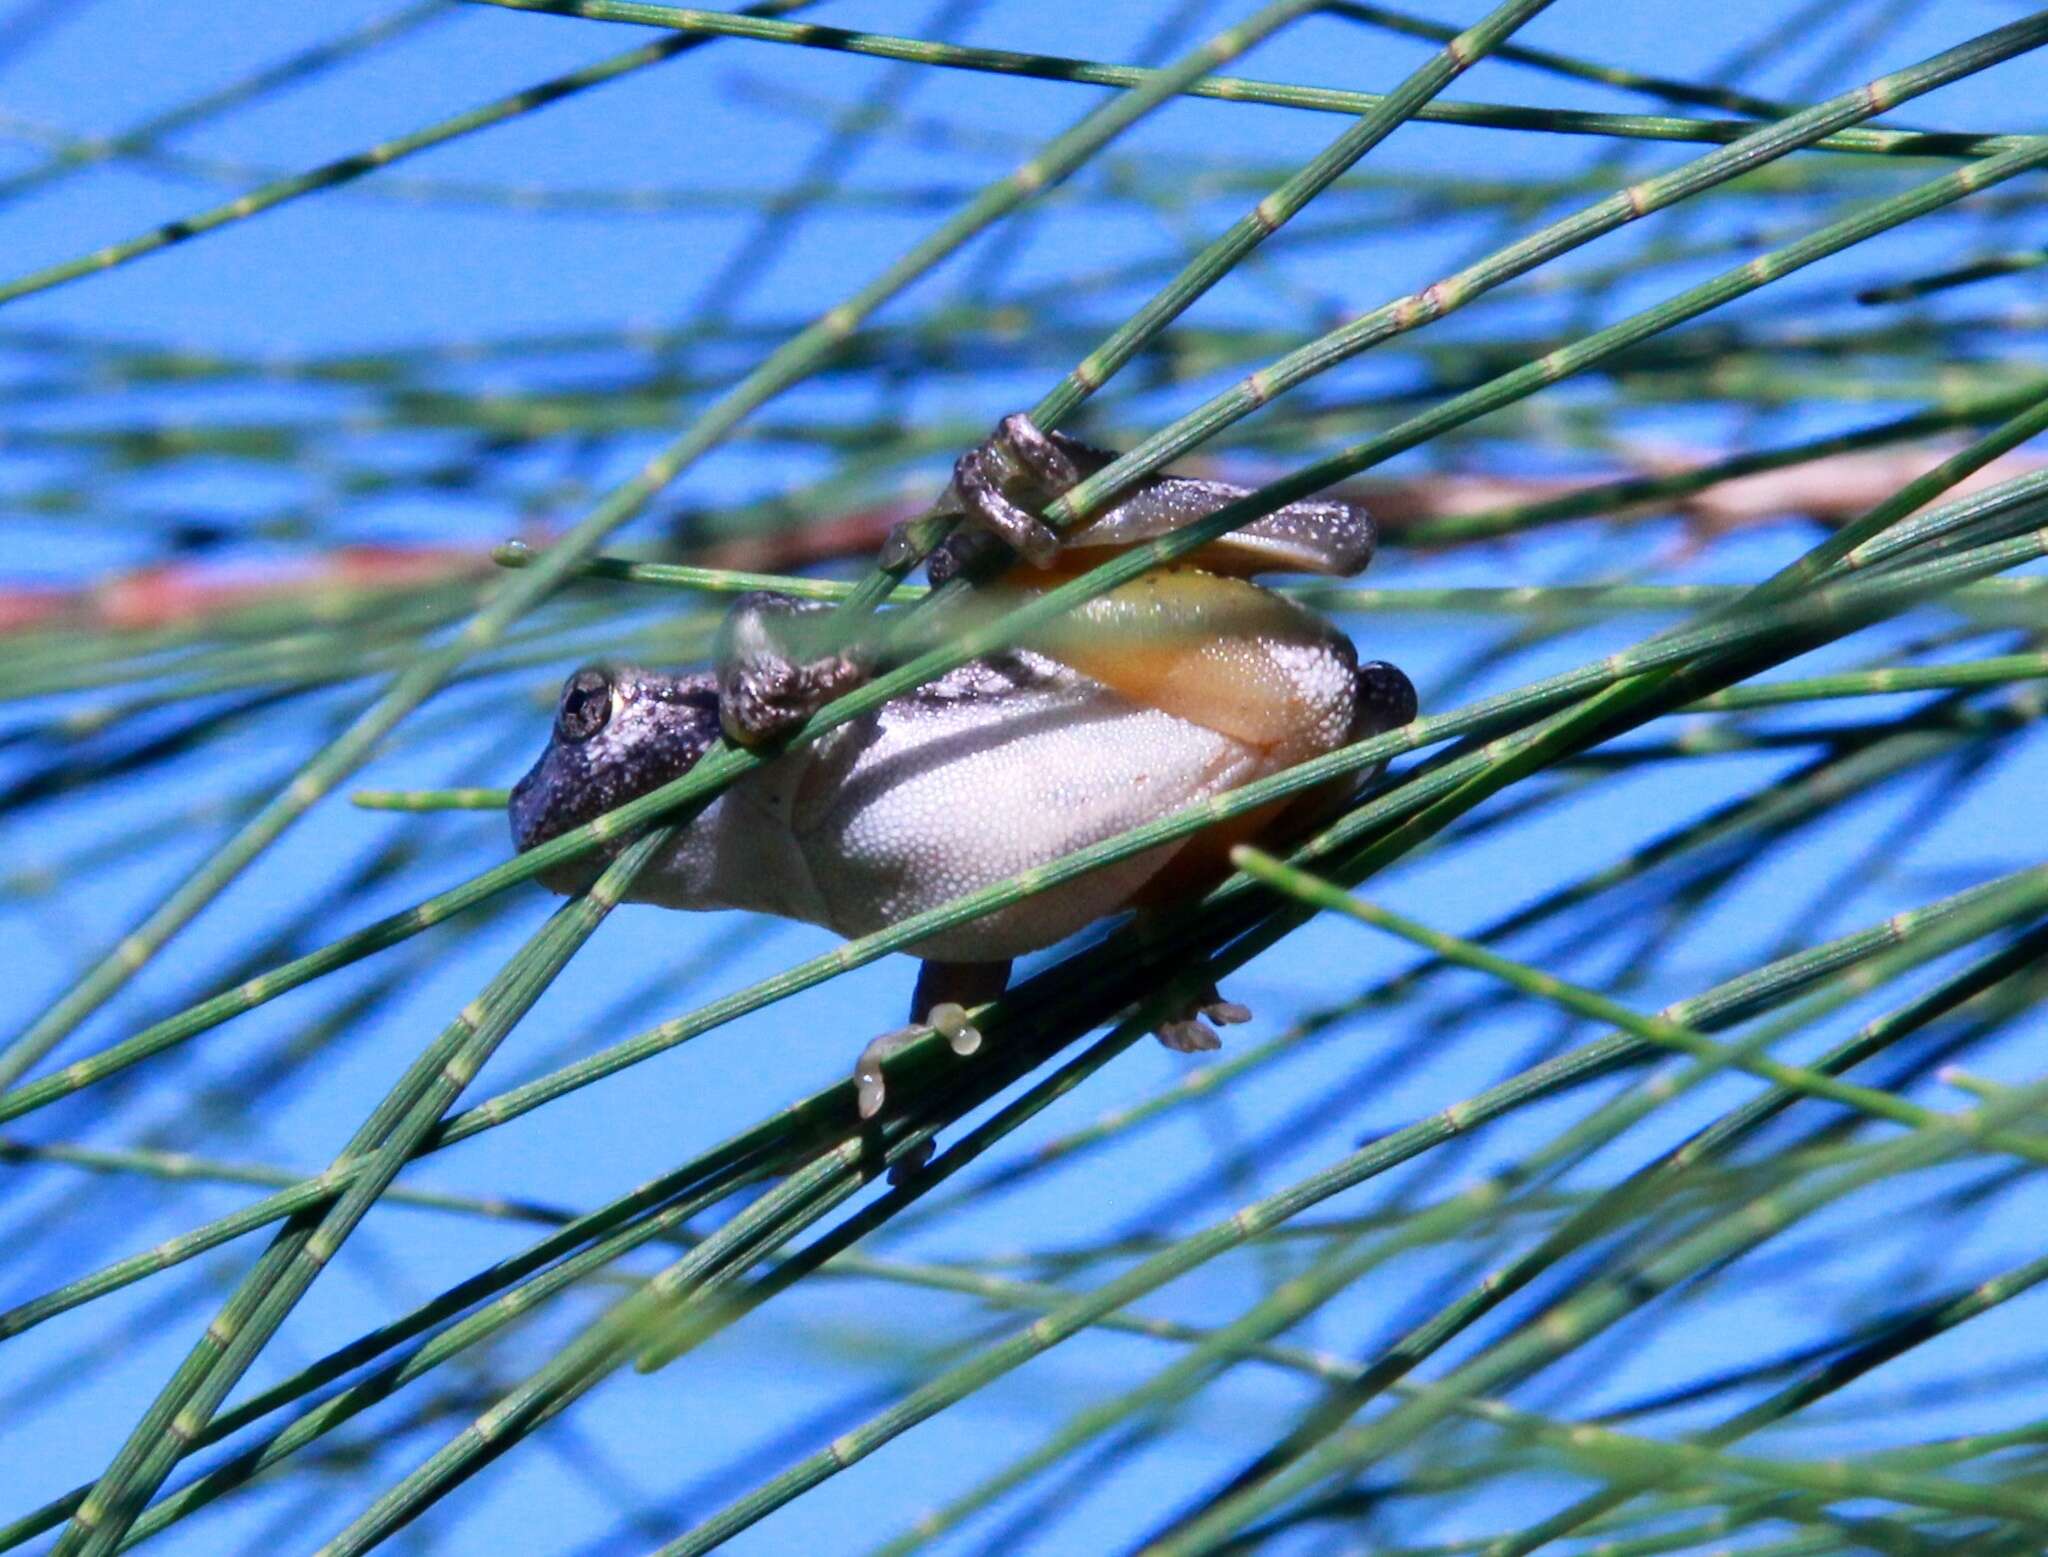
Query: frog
x: 1167, y: 690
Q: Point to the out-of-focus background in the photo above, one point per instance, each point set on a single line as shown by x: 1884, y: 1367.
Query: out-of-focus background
x: 253, y: 474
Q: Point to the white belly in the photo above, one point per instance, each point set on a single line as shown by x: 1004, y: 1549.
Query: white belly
x: 994, y: 770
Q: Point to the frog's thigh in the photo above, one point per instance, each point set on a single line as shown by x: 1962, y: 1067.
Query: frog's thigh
x: 1218, y: 652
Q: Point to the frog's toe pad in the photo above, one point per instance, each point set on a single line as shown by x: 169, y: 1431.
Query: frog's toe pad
x: 900, y: 550
x: 1386, y: 699
x: 1189, y: 1035
x: 869, y: 1088
x: 949, y: 1019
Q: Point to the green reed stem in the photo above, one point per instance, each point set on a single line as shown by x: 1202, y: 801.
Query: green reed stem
x: 1237, y: 89
x: 380, y: 1147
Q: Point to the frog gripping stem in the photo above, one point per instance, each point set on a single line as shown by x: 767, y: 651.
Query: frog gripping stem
x: 1003, y: 483
x: 1165, y: 691
x: 767, y: 683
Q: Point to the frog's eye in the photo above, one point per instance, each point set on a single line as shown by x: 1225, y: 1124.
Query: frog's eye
x: 586, y: 705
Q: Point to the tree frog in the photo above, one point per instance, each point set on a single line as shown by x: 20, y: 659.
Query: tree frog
x: 1186, y: 682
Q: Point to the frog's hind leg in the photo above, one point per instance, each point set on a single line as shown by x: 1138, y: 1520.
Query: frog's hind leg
x: 1231, y: 657
x: 1281, y: 682
x: 1278, y: 680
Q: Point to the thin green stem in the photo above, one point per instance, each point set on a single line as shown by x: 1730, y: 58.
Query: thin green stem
x: 1237, y: 89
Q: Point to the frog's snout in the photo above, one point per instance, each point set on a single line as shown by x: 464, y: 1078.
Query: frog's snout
x: 618, y: 733
x: 543, y: 807
x: 529, y: 810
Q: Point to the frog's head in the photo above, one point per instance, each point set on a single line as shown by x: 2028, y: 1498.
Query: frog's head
x: 619, y: 732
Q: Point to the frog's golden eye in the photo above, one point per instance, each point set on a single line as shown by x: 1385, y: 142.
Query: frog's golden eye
x: 586, y: 705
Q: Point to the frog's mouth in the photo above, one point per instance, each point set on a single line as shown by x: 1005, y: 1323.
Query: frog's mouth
x: 619, y: 734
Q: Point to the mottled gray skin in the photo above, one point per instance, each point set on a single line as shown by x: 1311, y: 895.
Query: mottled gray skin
x: 1003, y: 765
x: 619, y: 732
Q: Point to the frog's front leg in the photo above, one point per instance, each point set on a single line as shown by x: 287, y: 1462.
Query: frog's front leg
x: 774, y: 668
x: 938, y: 1005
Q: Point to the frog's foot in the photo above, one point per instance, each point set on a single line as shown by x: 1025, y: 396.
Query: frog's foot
x: 767, y: 683
x: 947, y: 1019
x: 937, y: 1005
x: 1186, y: 1032
x: 1001, y: 485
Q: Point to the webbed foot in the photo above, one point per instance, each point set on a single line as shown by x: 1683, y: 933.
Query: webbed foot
x: 1187, y: 1033
x: 769, y: 678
